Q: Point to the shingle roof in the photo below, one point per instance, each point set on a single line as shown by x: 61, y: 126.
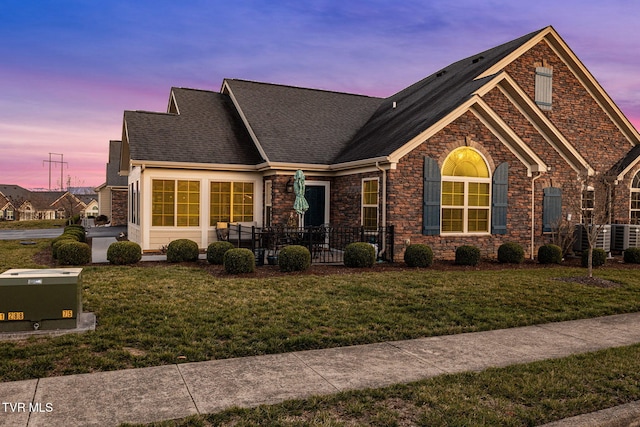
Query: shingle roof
x: 300, y: 125
x: 207, y: 130
x: 113, y: 167
x: 422, y: 104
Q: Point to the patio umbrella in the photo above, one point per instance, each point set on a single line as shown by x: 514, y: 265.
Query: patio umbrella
x: 300, y: 205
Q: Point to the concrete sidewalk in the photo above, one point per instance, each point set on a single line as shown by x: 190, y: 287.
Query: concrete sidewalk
x: 175, y: 391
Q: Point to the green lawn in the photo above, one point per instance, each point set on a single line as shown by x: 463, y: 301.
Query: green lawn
x: 172, y: 314
x: 178, y: 313
x: 29, y: 225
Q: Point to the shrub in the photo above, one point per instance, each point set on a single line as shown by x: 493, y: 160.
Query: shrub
x: 599, y: 257
x: 632, y: 255
x: 182, y: 250
x: 74, y: 253
x: 124, y: 253
x: 216, y: 251
x: 294, y: 258
x: 55, y: 246
x: 511, y: 253
x: 76, y: 230
x: 467, y: 255
x: 239, y: 260
x: 74, y: 219
x: 418, y: 255
x: 359, y: 255
x: 550, y: 254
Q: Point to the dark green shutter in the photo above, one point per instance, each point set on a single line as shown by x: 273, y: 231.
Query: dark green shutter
x: 551, y: 208
x: 431, y: 198
x: 500, y: 199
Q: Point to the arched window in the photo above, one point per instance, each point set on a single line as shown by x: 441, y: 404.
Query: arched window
x: 466, y: 198
x: 635, y: 199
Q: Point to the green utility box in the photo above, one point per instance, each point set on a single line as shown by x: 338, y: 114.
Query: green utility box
x: 44, y: 299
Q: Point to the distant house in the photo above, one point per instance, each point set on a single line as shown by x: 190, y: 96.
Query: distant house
x: 112, y: 195
x: 484, y: 151
x: 31, y: 205
x: 7, y: 210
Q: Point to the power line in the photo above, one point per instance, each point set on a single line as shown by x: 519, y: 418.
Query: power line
x: 61, y: 162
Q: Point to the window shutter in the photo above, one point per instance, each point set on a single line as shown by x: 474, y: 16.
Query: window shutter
x: 551, y: 208
x: 500, y: 198
x: 431, y: 198
x: 543, y: 86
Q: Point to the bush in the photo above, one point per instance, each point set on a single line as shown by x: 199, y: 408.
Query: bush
x: 467, y: 255
x: 294, y: 258
x: 511, y: 253
x: 76, y: 230
x: 239, y: 260
x: 599, y: 257
x: 550, y: 254
x: 74, y: 220
x: 74, y: 253
x: 182, y: 250
x: 124, y: 253
x: 632, y: 255
x: 216, y: 251
x: 418, y: 255
x: 359, y: 255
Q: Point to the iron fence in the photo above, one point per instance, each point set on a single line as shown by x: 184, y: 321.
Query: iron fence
x: 326, y: 243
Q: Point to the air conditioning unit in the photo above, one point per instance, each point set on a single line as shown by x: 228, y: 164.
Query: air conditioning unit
x: 625, y: 236
x: 603, y: 240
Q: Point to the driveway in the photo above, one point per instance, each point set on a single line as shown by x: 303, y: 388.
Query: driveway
x: 50, y: 233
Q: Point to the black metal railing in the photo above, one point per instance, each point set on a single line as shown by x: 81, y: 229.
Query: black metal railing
x: 326, y: 243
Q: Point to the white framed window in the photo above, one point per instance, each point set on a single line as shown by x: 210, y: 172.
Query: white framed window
x: 370, y: 203
x: 175, y: 202
x: 635, y: 199
x: 230, y: 202
x: 466, y: 192
x: 587, y: 204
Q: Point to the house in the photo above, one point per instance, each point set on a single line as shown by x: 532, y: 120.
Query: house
x: 490, y: 149
x: 31, y: 205
x: 112, y: 195
x: 7, y: 210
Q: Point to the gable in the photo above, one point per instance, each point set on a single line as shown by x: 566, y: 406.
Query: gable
x: 299, y: 125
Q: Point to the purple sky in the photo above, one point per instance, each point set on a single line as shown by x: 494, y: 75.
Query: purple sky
x: 71, y: 67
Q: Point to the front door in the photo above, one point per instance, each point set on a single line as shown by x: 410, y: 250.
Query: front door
x: 315, y: 195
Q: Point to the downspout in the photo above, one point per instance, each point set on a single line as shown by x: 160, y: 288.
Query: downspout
x: 533, y: 217
x: 384, y: 206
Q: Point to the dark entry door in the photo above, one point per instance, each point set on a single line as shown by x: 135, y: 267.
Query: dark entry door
x: 315, y: 195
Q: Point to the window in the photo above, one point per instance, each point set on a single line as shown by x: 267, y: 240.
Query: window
x: 9, y: 214
x: 544, y: 84
x: 635, y: 199
x: 231, y: 202
x: 465, y: 192
x: 268, y: 198
x: 370, y: 204
x: 175, y: 203
x: 588, y: 201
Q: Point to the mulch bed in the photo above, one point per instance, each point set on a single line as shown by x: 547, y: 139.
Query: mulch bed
x: 265, y: 271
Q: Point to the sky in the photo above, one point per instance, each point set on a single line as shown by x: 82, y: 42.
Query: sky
x: 70, y: 68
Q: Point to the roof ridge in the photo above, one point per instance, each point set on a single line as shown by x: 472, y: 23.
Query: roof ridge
x: 304, y: 88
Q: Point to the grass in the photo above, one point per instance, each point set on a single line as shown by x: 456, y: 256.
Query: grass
x: 520, y: 395
x: 30, y: 225
x: 173, y: 314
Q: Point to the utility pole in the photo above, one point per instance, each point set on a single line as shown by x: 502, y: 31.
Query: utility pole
x: 61, y: 162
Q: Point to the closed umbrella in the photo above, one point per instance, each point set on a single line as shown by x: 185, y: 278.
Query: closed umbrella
x: 300, y: 205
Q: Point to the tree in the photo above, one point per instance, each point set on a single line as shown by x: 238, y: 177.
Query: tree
x: 595, y: 211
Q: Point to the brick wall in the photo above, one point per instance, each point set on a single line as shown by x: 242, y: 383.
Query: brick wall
x: 119, y: 207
